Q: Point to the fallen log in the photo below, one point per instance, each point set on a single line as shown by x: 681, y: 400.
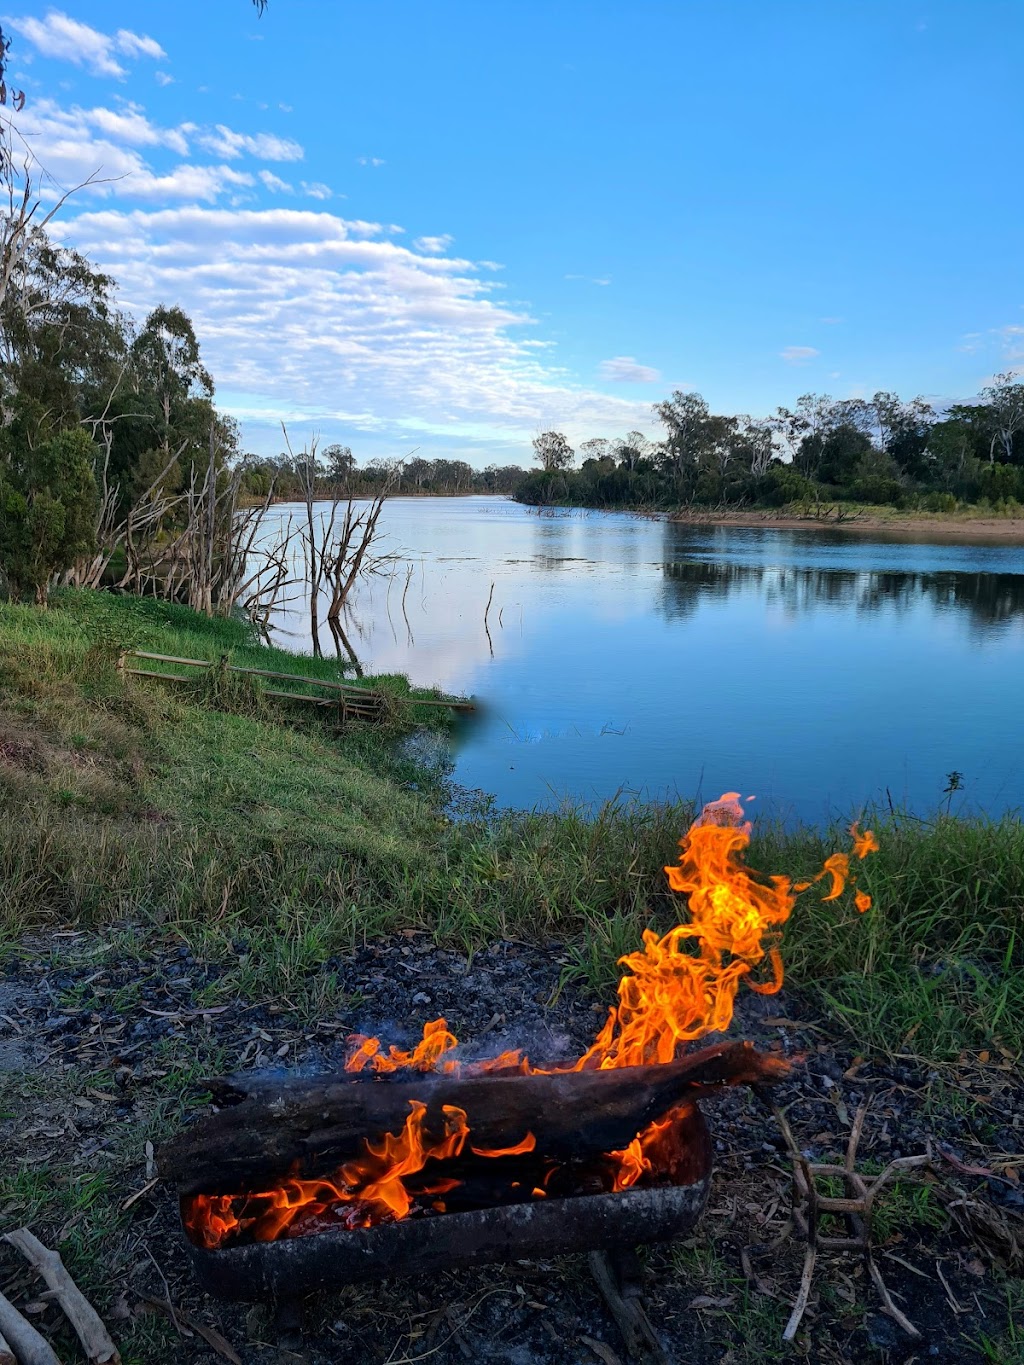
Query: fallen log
x: 272, y: 1127
x: 25, y: 1343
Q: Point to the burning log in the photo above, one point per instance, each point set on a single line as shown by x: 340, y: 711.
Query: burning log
x: 296, y: 1266
x: 271, y: 1127
x: 409, y: 1161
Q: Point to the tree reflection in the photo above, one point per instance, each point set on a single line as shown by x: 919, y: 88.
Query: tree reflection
x: 989, y: 599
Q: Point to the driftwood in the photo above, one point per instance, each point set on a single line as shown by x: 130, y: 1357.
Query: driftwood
x: 77, y: 1309
x: 23, y: 1343
x: 270, y: 1127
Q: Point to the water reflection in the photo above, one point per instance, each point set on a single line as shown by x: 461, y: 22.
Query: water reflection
x: 989, y: 599
x: 610, y: 653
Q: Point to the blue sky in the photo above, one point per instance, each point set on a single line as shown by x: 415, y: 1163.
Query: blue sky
x: 449, y: 226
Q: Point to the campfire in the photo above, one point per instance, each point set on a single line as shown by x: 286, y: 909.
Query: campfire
x: 367, y: 1171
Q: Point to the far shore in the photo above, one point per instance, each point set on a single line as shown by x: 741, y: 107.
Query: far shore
x: 904, y: 525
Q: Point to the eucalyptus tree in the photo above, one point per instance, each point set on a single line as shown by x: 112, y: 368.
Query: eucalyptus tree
x: 553, y: 452
x: 687, y: 420
x: 1004, y: 399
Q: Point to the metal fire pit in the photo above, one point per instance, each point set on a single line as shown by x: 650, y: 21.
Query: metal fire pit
x: 290, y: 1268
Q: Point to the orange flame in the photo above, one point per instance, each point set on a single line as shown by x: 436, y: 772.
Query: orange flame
x: 677, y: 988
x: 372, y: 1185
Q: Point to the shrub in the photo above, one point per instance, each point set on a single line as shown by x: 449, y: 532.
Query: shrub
x: 48, y: 500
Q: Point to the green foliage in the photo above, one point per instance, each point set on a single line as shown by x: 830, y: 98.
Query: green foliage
x: 48, y: 500
x: 784, y: 484
x: 878, y: 451
x: 1001, y: 483
x: 938, y: 502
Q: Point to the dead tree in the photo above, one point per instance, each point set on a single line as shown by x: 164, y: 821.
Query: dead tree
x: 337, y: 536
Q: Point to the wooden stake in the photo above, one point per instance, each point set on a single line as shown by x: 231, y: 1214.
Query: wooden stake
x: 78, y: 1310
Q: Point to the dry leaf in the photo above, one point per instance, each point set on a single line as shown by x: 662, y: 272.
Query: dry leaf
x: 602, y: 1351
x: 706, y: 1301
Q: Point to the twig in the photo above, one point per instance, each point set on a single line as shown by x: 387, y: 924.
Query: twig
x: 209, y: 1334
x: 31, y: 1348
x: 167, y: 1291
x: 857, y: 1207
x: 886, y: 1297
x: 804, y: 1295
x: 78, y: 1310
x: 138, y: 1194
x: 629, y: 1314
x: 956, y: 1307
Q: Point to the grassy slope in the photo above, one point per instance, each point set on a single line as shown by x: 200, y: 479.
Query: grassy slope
x: 138, y: 804
x: 269, y: 845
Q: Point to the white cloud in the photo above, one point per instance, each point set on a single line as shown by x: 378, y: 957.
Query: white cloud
x: 434, y: 246
x: 130, y: 124
x: 275, y: 183
x: 225, y: 142
x: 300, y: 308
x: 66, y: 39
x: 138, y: 45
x: 590, y: 279
x: 304, y: 309
x: 162, y: 78
x: 623, y: 369
x: 798, y: 355
x: 72, y: 144
x: 370, y: 160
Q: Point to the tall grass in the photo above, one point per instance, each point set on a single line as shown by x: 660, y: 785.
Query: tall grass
x: 122, y: 802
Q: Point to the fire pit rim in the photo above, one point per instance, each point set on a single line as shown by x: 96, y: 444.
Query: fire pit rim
x: 297, y: 1266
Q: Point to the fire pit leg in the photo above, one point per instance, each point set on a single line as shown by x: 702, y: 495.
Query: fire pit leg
x: 288, y: 1324
x: 627, y: 1308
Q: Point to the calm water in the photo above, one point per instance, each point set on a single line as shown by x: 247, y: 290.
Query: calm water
x: 818, y: 670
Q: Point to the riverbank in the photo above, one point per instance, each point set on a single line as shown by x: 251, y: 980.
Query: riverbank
x: 926, y: 527
x: 193, y: 884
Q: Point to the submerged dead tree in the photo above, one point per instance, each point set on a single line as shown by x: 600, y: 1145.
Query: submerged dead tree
x: 338, y: 534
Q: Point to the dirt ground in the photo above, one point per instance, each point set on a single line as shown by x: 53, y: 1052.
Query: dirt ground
x: 104, y: 1041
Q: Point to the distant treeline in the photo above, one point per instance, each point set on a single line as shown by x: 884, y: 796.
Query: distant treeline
x: 336, y: 472
x: 871, y: 450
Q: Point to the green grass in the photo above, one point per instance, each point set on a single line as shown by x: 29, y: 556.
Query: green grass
x: 130, y: 802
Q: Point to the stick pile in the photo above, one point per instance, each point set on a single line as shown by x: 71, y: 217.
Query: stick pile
x: 20, y: 1343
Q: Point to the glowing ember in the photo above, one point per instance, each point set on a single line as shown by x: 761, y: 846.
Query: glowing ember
x: 679, y: 987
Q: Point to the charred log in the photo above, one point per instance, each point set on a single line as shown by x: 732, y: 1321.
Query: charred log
x: 294, y: 1267
x: 270, y: 1128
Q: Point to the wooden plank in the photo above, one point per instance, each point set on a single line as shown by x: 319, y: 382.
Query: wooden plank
x: 352, y: 694
x: 364, y: 711
x: 168, y: 659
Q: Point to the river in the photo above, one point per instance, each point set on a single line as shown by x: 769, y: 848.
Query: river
x: 820, y: 671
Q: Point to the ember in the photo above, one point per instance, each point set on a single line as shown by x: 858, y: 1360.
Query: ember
x: 678, y: 988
